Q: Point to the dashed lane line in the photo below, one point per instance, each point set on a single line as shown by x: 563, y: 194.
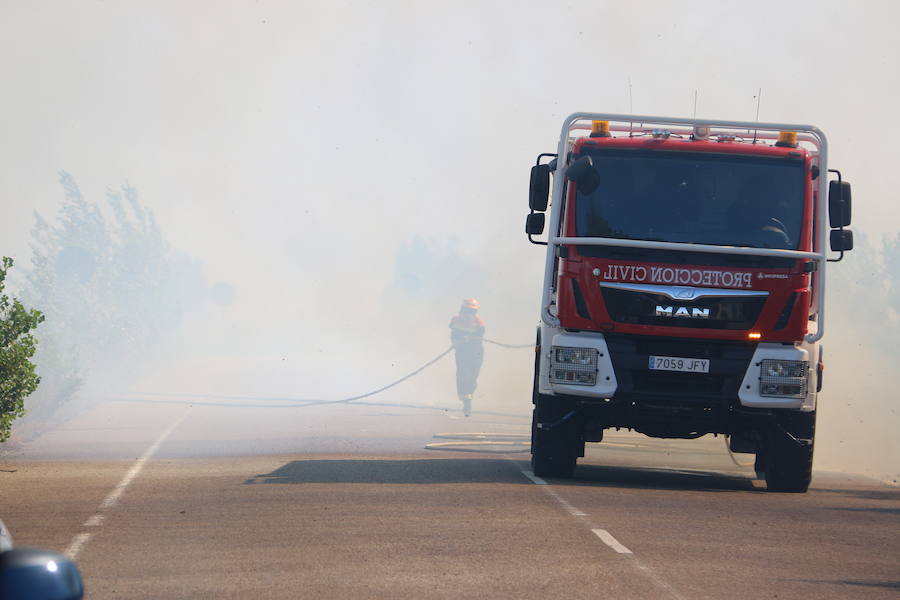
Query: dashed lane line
x: 135, y: 469
x: 96, y: 520
x: 575, y: 512
x: 77, y: 544
x: 605, y: 536
x: 534, y: 478
x: 610, y: 541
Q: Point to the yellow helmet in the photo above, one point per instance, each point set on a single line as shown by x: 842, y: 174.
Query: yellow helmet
x: 470, y: 303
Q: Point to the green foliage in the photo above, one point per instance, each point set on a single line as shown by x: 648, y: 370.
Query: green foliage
x: 18, y: 377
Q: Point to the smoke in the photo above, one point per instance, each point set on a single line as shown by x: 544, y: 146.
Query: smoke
x: 858, y: 417
x: 112, y: 292
x: 353, y: 171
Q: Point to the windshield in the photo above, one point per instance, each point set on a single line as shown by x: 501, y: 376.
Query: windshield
x: 697, y: 198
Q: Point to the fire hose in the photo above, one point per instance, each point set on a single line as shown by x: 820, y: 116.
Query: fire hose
x: 419, y: 370
x: 502, y: 345
x: 392, y: 384
x: 296, y: 402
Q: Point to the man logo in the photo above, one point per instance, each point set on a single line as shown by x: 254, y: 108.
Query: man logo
x: 682, y: 311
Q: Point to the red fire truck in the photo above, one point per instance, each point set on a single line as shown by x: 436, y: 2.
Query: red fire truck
x: 684, y: 286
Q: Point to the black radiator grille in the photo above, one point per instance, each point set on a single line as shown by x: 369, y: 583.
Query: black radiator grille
x: 640, y: 308
x: 728, y: 362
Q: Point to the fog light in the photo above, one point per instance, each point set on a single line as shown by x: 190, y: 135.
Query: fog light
x: 783, y: 378
x: 573, y: 366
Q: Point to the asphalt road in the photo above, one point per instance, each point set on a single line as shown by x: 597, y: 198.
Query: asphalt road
x: 173, y: 497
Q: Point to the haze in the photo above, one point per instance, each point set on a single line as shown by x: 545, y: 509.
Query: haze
x: 354, y: 169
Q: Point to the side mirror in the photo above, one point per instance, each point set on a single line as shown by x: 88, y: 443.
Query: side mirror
x: 838, y: 204
x: 534, y: 224
x: 583, y: 173
x: 539, y: 191
x: 31, y: 574
x: 841, y: 240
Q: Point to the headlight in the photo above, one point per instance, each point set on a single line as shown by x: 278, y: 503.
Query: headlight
x: 784, y: 368
x: 784, y: 378
x: 574, y: 366
x: 575, y: 356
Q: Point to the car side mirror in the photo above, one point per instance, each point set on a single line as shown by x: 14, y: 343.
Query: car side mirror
x: 534, y: 224
x: 839, y: 204
x: 583, y: 173
x: 841, y: 240
x: 539, y: 190
x: 31, y: 574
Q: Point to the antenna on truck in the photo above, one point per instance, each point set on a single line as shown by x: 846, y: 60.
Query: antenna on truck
x: 695, y: 104
x: 630, y: 108
x: 758, y: 101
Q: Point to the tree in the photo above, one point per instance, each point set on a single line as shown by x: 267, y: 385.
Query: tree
x: 18, y: 378
x: 114, y: 292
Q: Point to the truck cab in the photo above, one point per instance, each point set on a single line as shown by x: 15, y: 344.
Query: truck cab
x: 684, y: 286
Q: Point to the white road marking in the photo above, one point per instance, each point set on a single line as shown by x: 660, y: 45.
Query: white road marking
x: 651, y: 574
x: 605, y: 536
x: 96, y: 520
x: 572, y: 510
x: 575, y: 512
x: 77, y: 543
x: 476, y: 443
x: 610, y: 541
x: 488, y: 435
x: 534, y: 478
x: 135, y: 469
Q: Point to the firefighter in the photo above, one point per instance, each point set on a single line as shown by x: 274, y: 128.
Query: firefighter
x: 466, y: 333
x: 754, y: 216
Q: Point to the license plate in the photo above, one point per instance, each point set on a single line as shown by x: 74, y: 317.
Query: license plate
x: 674, y: 363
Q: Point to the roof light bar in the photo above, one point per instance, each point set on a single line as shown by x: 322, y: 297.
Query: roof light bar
x: 787, y: 139
x: 600, y: 129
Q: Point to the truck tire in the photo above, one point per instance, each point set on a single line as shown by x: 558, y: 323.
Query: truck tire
x: 554, y: 452
x: 788, y: 464
x: 535, y: 394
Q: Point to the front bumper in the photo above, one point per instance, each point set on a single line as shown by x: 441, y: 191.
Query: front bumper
x: 733, y: 378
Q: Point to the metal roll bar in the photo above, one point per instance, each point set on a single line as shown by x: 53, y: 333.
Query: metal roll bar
x: 581, y: 121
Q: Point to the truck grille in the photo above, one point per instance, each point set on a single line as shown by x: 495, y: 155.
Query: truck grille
x: 728, y: 362
x: 640, y: 308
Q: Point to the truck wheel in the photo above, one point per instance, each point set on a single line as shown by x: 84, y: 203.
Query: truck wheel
x: 788, y: 464
x: 554, y: 452
x: 535, y: 394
